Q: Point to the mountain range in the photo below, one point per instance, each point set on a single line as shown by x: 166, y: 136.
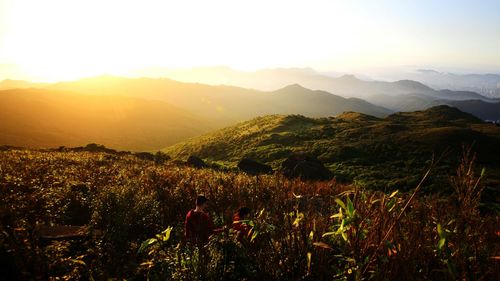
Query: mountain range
x: 401, y: 95
x: 485, y: 84
x: 152, y: 113
x: 148, y: 114
x: 346, y: 85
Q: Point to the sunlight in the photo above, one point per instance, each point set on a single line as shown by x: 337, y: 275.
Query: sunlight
x: 60, y: 39
x: 54, y: 40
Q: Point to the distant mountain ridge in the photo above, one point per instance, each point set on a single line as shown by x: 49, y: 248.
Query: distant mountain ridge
x: 346, y: 85
x: 149, y: 114
x: 225, y: 103
x: 403, y: 95
x: 214, y: 107
x: 485, y: 84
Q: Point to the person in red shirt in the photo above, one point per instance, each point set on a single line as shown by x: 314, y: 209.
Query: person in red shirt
x: 198, y: 225
x: 241, y: 227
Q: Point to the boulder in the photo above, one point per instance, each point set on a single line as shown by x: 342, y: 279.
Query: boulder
x: 94, y: 147
x: 196, y: 162
x: 161, y: 158
x: 145, y: 156
x: 305, y: 167
x: 253, y: 167
x: 308, y: 170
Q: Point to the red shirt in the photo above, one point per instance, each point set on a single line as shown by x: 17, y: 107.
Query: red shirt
x: 198, y: 227
x: 242, y: 228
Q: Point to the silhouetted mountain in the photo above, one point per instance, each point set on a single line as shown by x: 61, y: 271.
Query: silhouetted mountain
x: 295, y: 99
x: 346, y: 85
x: 409, y: 102
x: 485, y: 84
x: 147, y: 114
x: 481, y: 109
x: 226, y: 104
x: 459, y: 95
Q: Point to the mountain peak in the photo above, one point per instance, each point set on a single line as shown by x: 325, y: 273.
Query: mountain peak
x: 348, y: 77
x: 411, y: 84
x: 293, y: 87
x: 439, y: 113
x: 428, y: 71
x: 450, y: 111
x: 356, y: 116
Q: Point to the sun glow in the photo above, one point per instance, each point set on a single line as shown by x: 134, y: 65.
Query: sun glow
x: 61, y: 39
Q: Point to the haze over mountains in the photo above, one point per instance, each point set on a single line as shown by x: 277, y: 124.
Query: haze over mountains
x: 401, y: 95
x: 148, y: 114
x: 152, y: 113
x: 52, y: 118
x: 485, y: 84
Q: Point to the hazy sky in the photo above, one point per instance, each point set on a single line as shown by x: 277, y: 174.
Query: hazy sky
x: 67, y: 39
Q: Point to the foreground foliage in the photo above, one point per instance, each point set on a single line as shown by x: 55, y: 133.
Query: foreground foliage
x: 301, y: 230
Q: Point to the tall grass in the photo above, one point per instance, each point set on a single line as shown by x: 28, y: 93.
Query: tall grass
x: 301, y: 230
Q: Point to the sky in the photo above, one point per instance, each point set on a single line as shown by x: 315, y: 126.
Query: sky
x: 55, y: 40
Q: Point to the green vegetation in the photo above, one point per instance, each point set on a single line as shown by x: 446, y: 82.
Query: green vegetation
x: 135, y: 209
x: 384, y: 154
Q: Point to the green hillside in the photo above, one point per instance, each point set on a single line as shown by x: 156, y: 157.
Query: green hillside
x: 382, y: 153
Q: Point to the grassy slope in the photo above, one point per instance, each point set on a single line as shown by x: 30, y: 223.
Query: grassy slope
x: 375, y: 152
x: 49, y: 118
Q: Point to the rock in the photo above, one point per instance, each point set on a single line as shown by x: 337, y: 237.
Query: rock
x: 308, y: 170
x: 289, y: 164
x: 196, y: 162
x: 145, y: 156
x: 161, y: 158
x: 178, y: 162
x: 94, y: 147
x: 253, y: 167
x: 306, y: 167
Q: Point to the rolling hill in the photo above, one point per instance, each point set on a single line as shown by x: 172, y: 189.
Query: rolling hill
x: 50, y: 118
x: 372, y: 151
